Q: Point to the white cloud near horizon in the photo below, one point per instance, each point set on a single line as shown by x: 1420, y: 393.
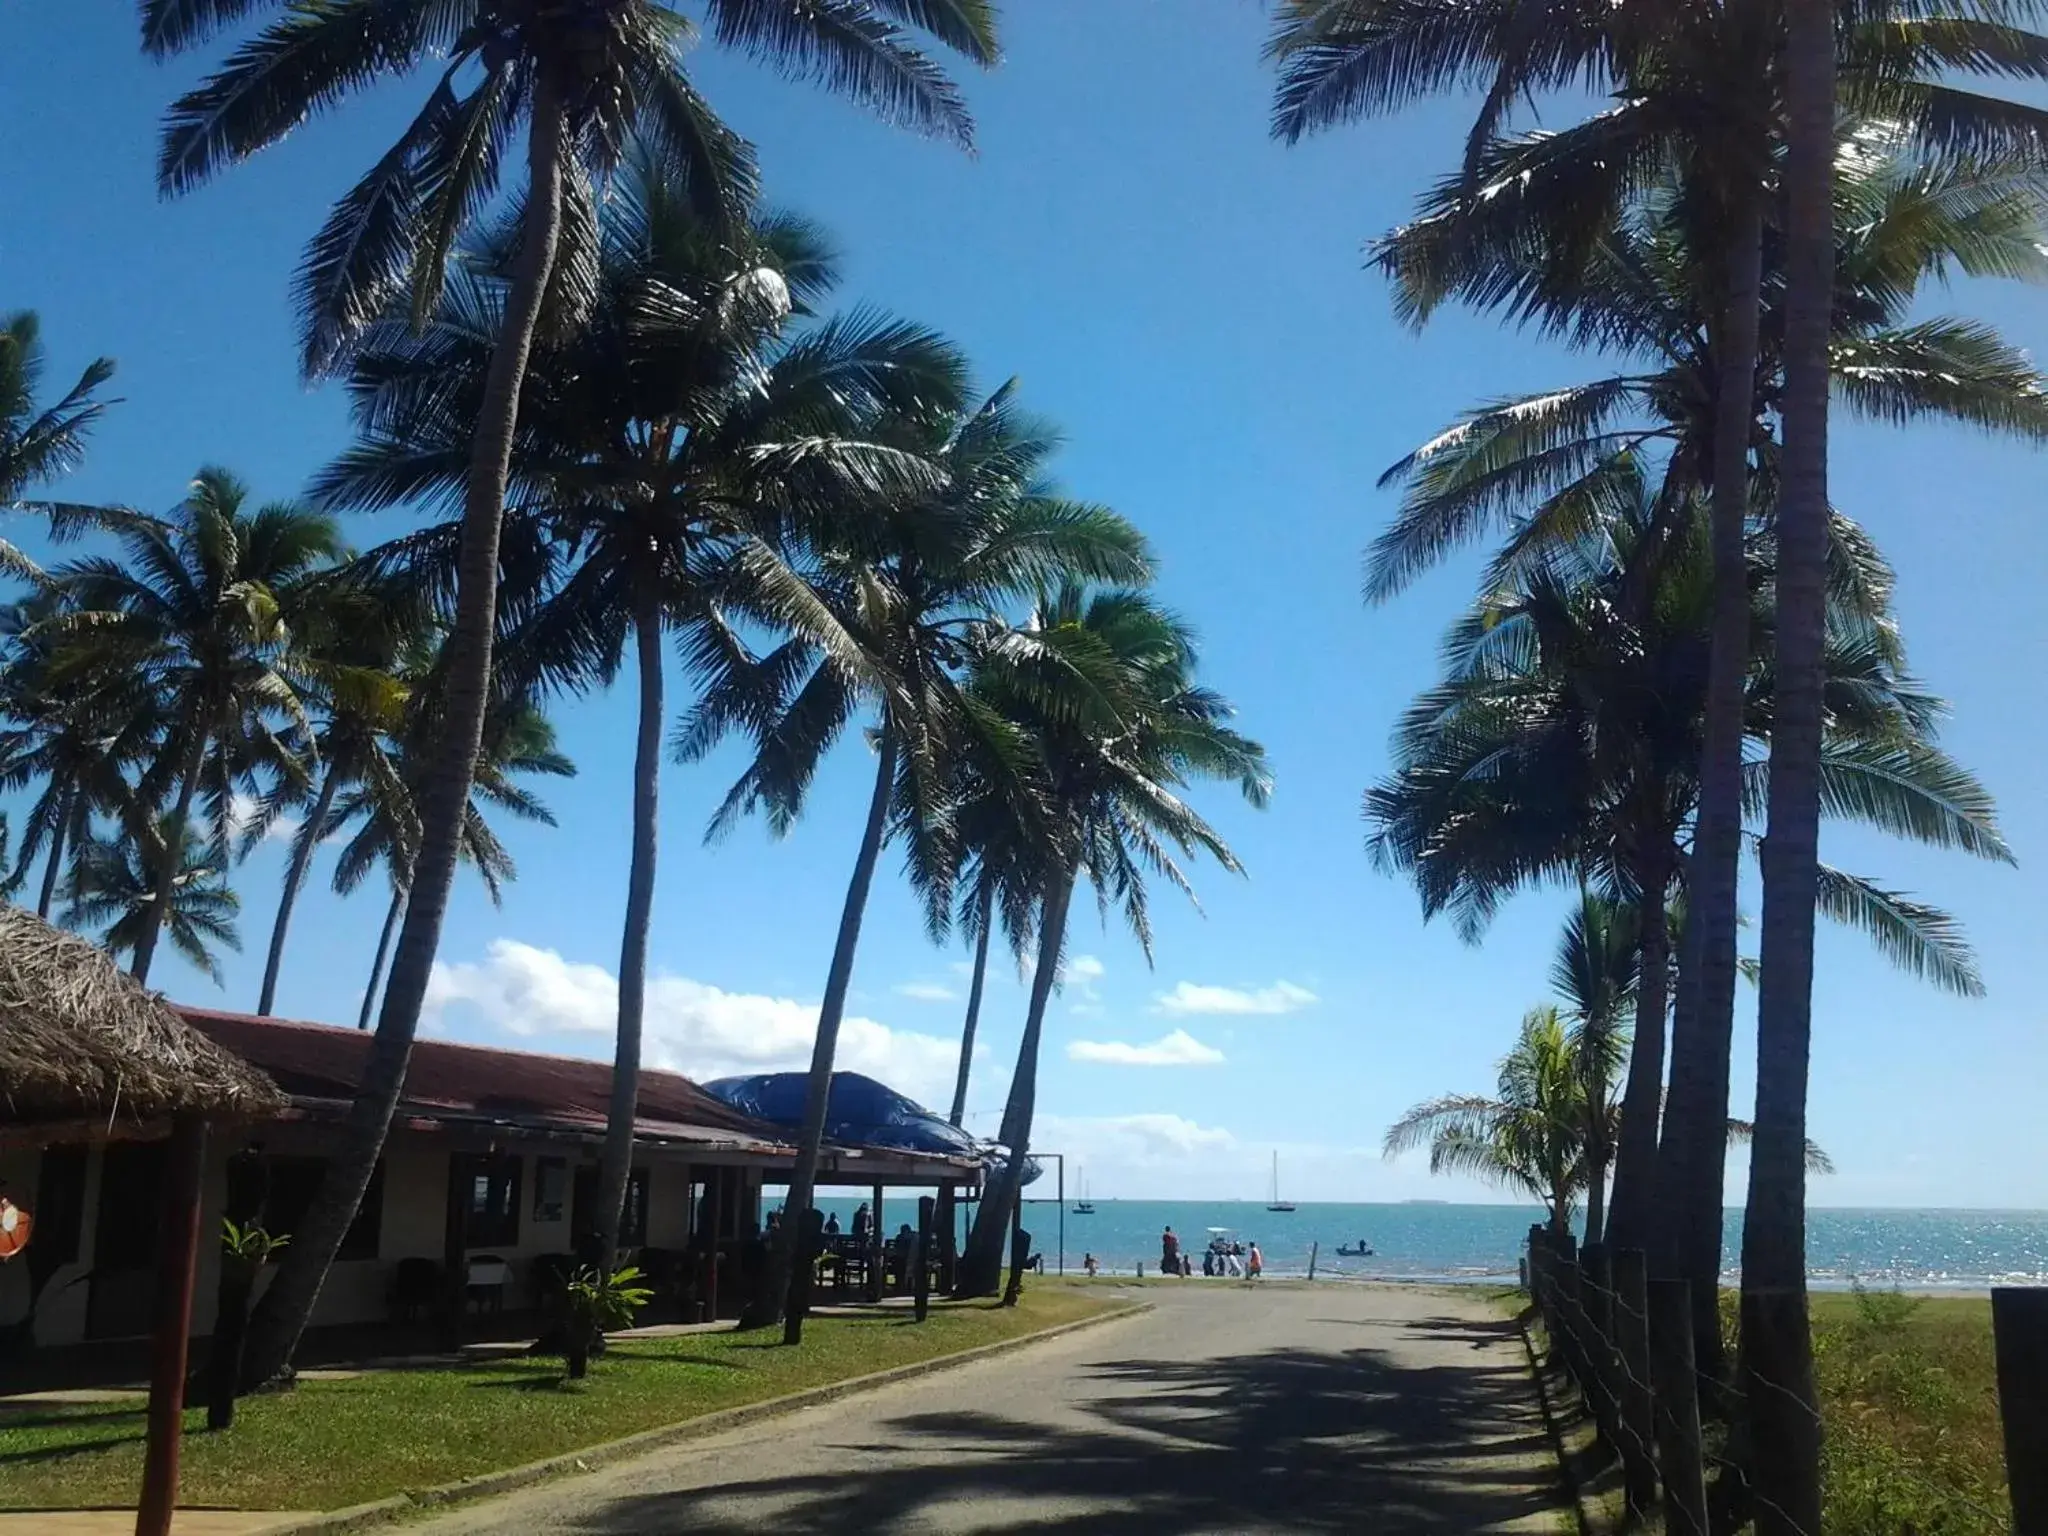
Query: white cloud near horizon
x: 1190, y: 997
x: 1144, y: 1140
x: 1179, y: 1049
x: 926, y: 992
x: 689, y: 1026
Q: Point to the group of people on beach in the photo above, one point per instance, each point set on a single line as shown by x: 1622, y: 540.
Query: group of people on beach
x: 1224, y: 1256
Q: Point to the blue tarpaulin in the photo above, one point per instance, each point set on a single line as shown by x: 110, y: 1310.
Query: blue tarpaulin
x: 860, y: 1113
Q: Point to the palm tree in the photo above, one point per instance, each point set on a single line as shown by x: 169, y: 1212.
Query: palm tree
x: 40, y: 443
x: 81, y: 740
x: 668, y: 440
x: 909, y: 583
x: 1531, y: 1135
x: 202, y: 613
x: 1596, y: 970
x: 361, y: 705
x: 380, y: 805
x: 116, y: 887
x: 583, y: 76
x: 1551, y: 1109
x: 1563, y: 745
x: 1530, y: 458
x: 1104, y: 687
x: 1777, y: 1340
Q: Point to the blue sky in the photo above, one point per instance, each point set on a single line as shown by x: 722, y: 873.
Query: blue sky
x: 1186, y: 297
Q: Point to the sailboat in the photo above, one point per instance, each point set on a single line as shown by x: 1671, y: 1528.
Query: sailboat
x: 1084, y: 1206
x: 1276, y: 1203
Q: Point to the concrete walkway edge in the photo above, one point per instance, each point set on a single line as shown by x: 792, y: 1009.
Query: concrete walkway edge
x: 590, y: 1458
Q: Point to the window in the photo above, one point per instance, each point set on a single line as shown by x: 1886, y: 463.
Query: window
x: 632, y: 1220
x: 493, y: 1214
x: 131, y: 1182
x: 276, y: 1193
x: 60, y: 1206
x: 550, y: 1189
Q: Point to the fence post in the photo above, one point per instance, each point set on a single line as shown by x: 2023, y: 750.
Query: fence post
x: 1596, y: 1281
x: 1571, y: 1318
x: 1676, y: 1388
x: 2019, y: 1326
x: 1638, y: 1406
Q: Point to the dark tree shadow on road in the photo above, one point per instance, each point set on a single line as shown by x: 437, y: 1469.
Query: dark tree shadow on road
x: 1288, y: 1439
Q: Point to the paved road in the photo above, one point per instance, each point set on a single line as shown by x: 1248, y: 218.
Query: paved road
x: 1229, y: 1408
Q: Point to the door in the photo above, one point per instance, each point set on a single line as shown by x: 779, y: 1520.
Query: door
x: 121, y: 1300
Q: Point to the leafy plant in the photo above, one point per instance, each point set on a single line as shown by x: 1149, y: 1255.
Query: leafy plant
x: 594, y: 1303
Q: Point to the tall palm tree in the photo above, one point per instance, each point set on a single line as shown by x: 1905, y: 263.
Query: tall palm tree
x: 1104, y: 686
x: 1531, y: 1135
x: 583, y: 76
x: 910, y: 582
x: 116, y: 887
x: 1777, y: 1340
x: 1563, y: 746
x: 203, y: 612
x: 1528, y: 460
x: 668, y: 441
x: 1696, y: 89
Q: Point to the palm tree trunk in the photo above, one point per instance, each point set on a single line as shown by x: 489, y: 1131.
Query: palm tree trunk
x: 65, y: 811
x: 294, y: 878
x: 981, y: 1267
x: 281, y: 1316
x: 766, y: 1310
x: 1628, y: 1214
x: 1777, y: 1341
x: 391, y: 915
x: 169, y: 857
x: 1692, y: 1157
x: 985, y: 909
x: 625, y: 1104
x: 1596, y: 1194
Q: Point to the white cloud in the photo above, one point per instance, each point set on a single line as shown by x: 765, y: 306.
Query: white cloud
x: 1084, y: 970
x: 1192, y: 997
x: 690, y: 1026
x: 1130, y: 1140
x: 927, y: 992
x: 1179, y: 1049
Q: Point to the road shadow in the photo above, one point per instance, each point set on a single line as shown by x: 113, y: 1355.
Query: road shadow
x: 1288, y: 1439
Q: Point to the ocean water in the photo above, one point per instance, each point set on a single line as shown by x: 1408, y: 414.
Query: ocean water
x: 1908, y: 1248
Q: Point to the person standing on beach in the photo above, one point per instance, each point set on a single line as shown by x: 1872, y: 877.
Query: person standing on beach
x: 1169, y: 1253
x: 1255, y: 1263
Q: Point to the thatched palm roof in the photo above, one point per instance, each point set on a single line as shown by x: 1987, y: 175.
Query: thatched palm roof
x: 81, y: 1039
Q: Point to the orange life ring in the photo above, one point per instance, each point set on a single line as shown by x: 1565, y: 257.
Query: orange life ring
x: 15, y: 1226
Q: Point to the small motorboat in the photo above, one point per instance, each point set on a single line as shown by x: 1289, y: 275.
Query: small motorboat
x: 1358, y: 1250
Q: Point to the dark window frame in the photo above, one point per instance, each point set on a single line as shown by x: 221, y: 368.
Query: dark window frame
x: 491, y: 1211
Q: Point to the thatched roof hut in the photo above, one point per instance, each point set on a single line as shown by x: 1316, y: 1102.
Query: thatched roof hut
x: 81, y: 1039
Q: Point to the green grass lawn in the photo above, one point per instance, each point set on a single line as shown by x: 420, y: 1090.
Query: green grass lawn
x: 335, y: 1443
x: 1909, y: 1391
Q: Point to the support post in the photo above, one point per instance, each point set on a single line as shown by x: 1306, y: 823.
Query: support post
x: 177, y: 1262
x: 878, y: 1247
x: 1676, y: 1388
x: 921, y: 1286
x: 1638, y: 1406
x: 1313, y: 1249
x: 1063, y: 1215
x: 714, y: 1218
x: 455, y: 1252
x: 2019, y: 1326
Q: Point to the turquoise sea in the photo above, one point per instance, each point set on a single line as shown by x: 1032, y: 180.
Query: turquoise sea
x: 1937, y: 1249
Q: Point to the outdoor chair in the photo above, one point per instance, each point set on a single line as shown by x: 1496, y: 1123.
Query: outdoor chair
x: 486, y: 1280
x: 415, y: 1290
